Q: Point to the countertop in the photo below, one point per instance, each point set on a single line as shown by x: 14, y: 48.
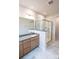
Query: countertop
x: 23, y: 37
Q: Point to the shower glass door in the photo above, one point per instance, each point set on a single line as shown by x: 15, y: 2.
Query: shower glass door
x: 47, y: 27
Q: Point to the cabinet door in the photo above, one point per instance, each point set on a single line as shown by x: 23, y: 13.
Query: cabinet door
x: 20, y: 49
x: 26, y: 43
x: 26, y: 46
x: 34, y: 42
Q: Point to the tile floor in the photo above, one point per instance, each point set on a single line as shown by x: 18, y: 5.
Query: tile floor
x: 51, y: 52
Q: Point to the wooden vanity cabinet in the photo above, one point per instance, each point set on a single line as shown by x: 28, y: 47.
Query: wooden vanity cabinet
x: 28, y: 45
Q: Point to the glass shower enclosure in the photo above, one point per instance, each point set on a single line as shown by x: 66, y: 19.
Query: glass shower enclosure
x: 45, y: 25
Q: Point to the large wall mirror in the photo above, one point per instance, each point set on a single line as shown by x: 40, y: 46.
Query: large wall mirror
x: 25, y: 25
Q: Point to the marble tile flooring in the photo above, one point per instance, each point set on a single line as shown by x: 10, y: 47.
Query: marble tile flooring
x: 51, y: 52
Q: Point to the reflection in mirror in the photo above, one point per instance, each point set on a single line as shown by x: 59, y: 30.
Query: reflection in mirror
x: 25, y: 25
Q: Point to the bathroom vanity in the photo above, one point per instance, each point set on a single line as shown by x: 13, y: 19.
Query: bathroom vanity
x: 27, y: 43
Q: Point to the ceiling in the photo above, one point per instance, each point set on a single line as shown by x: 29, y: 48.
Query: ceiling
x: 42, y: 6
